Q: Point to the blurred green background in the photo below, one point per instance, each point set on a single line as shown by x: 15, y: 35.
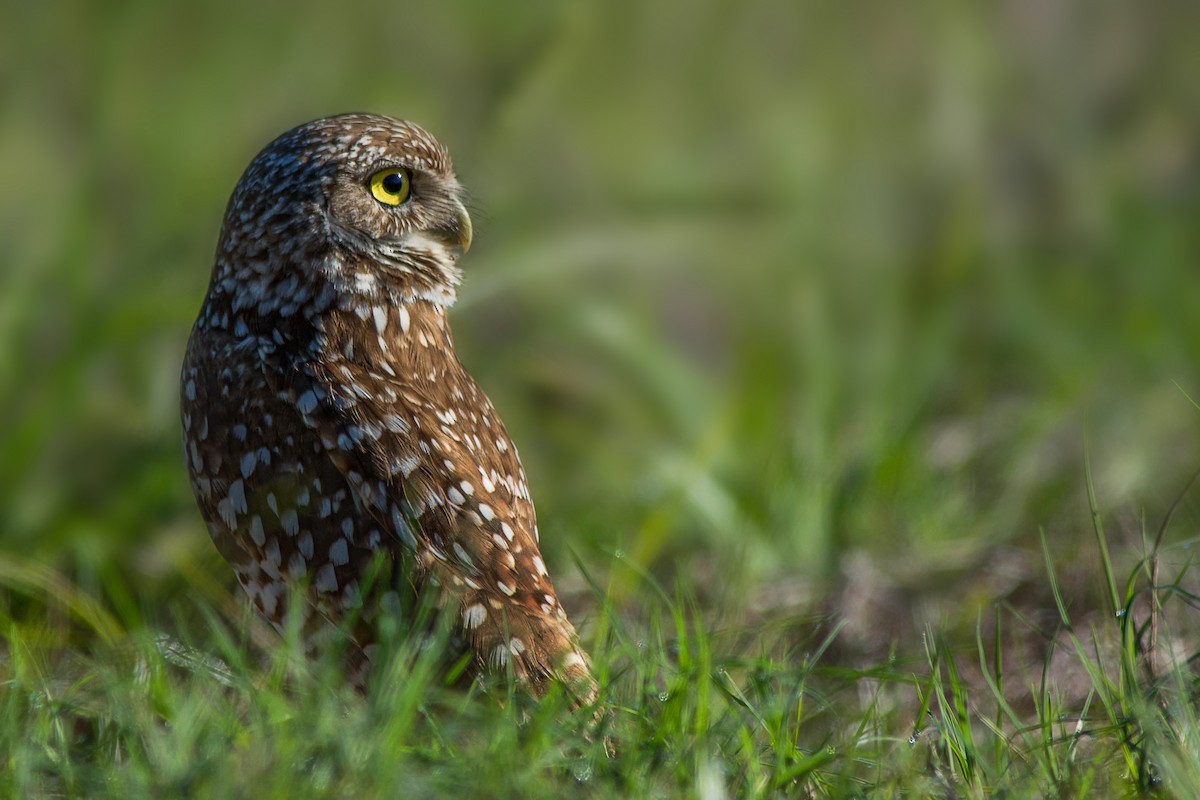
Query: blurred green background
x: 790, y: 300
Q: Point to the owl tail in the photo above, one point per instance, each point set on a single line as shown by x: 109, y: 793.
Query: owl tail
x: 538, y: 647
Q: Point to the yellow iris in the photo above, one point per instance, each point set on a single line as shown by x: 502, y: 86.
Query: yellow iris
x: 391, y: 186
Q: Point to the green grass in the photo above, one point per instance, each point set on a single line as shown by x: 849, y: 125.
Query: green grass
x: 849, y: 348
x: 688, y: 708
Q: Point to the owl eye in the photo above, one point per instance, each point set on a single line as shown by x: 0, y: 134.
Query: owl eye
x: 391, y: 186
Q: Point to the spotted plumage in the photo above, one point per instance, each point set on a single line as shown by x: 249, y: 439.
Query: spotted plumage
x: 329, y: 427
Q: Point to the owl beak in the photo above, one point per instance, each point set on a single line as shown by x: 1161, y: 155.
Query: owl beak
x: 464, y: 226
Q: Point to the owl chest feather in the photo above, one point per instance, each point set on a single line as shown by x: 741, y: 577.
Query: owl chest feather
x: 310, y: 457
x: 419, y: 417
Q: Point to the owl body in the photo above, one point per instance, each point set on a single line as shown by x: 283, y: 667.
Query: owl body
x: 330, y: 429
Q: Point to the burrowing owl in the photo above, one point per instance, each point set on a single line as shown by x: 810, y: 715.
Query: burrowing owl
x: 328, y: 423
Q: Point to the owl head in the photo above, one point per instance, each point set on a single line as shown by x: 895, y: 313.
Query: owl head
x: 356, y: 203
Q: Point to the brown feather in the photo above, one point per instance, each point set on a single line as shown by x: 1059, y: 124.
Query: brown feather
x: 328, y: 423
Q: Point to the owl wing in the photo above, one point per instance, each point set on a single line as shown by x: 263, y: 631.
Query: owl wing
x: 432, y: 464
x: 275, y: 505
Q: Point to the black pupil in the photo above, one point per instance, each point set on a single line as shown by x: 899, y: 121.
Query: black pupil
x: 392, y: 184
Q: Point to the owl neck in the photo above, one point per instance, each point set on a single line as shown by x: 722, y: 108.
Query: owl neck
x: 410, y: 340
x: 260, y: 287
x: 415, y: 267
x: 373, y: 284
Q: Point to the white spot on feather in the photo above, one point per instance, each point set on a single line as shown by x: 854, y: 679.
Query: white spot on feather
x: 225, y: 510
x: 326, y: 579
x: 395, y: 424
x: 403, y: 466
x: 363, y: 282
x: 499, y: 656
x: 272, y: 553
x: 269, y: 599
x: 338, y: 553
x: 462, y: 555
x: 307, y: 402
x: 256, y: 530
x: 473, y: 616
x: 400, y: 526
